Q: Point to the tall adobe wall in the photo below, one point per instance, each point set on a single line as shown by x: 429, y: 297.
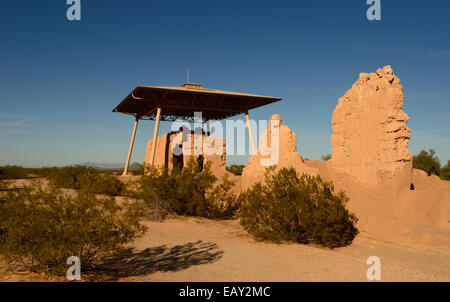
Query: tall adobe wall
x: 370, y: 140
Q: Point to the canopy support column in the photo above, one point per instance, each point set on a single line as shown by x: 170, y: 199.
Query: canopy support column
x: 252, y: 143
x: 155, y: 137
x: 130, y: 150
x: 208, y: 130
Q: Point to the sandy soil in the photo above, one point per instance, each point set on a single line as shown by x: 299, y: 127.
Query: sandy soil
x: 410, y: 236
x: 194, y: 249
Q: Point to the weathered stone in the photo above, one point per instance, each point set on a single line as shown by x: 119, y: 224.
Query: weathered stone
x: 370, y: 140
x: 211, y: 148
x: 287, y: 154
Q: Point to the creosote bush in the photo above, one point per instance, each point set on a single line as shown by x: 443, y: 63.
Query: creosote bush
x: 302, y: 209
x: 326, y: 157
x: 190, y: 191
x: 41, y: 228
x: 236, y: 169
x: 83, y: 178
x: 12, y: 172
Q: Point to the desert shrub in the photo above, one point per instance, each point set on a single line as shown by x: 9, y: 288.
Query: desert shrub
x: 189, y: 191
x: 326, y: 157
x: 43, y: 227
x: 69, y: 177
x: 101, y: 184
x: 236, y: 169
x: 224, y: 203
x: 44, y: 172
x: 12, y: 172
x: 302, y: 209
x: 138, y: 171
x: 83, y: 178
x: 427, y: 162
x: 445, y: 171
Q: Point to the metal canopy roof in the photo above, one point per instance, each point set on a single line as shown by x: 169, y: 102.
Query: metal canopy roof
x: 180, y: 103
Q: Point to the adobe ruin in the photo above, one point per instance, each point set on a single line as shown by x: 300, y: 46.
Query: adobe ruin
x: 177, y: 148
x: 287, y: 154
x: 370, y: 139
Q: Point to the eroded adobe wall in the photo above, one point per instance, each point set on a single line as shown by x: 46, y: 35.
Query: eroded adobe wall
x: 287, y: 154
x: 370, y: 139
x: 213, y: 151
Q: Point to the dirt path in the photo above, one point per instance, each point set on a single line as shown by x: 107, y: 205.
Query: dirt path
x: 192, y: 249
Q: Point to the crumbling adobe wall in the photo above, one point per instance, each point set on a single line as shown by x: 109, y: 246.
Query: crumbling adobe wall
x: 210, y: 147
x: 370, y: 140
x: 287, y: 155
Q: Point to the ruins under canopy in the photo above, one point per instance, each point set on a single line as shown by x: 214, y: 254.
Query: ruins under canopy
x: 180, y: 103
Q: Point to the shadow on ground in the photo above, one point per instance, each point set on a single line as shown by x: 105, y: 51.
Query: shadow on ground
x: 158, y: 259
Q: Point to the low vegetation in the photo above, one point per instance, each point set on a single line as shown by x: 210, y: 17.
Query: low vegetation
x: 427, y: 161
x: 302, y: 209
x: 12, y: 172
x: 40, y: 228
x: 190, y: 191
x: 430, y: 163
x: 445, y: 171
x: 236, y: 169
x: 70, y: 177
x: 326, y: 157
x: 84, y: 178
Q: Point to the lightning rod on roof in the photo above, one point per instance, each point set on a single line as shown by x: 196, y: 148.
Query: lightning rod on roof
x: 187, y: 70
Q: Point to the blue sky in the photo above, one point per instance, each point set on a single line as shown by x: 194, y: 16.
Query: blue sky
x: 59, y: 80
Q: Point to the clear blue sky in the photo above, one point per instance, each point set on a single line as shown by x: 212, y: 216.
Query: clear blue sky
x: 59, y: 80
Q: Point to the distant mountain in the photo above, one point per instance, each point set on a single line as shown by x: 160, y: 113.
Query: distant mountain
x: 133, y: 166
x: 103, y: 165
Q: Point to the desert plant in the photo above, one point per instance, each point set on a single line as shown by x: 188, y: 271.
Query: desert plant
x: 236, y: 169
x: 427, y: 162
x: 303, y: 209
x: 101, y: 184
x: 224, y: 202
x: 326, y: 157
x: 138, y: 171
x: 12, y: 172
x: 187, y: 191
x: 83, y: 178
x: 43, y: 227
x: 445, y: 171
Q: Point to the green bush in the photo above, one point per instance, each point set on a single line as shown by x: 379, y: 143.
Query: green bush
x: 326, y: 157
x: 236, y: 169
x: 300, y: 209
x: 427, y: 162
x: 191, y: 191
x: 445, y: 172
x: 83, y: 178
x: 101, y: 184
x: 41, y: 228
x: 139, y: 171
x: 12, y: 172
